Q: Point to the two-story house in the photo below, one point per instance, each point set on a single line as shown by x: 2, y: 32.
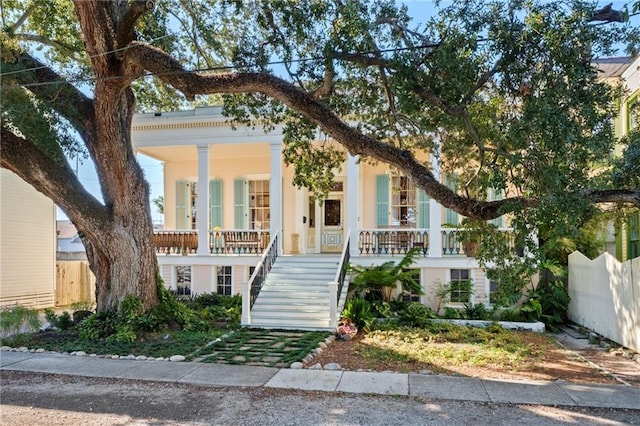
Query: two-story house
x: 228, y: 194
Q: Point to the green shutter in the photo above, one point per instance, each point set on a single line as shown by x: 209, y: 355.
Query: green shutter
x: 239, y: 213
x: 182, y: 205
x: 382, y: 200
x: 451, y: 216
x: 215, y: 203
x: 495, y: 195
x: 423, y: 209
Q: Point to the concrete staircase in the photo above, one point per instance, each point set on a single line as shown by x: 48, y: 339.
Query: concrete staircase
x: 295, y: 294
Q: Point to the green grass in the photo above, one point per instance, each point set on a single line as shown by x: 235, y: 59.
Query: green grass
x: 275, y: 348
x: 152, y: 345
x: 249, y: 347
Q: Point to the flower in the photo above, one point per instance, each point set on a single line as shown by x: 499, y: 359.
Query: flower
x: 346, y: 331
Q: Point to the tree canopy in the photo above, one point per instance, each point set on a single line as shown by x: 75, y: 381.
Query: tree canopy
x: 505, y: 94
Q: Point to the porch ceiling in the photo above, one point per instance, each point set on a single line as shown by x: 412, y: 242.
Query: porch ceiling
x: 216, y: 152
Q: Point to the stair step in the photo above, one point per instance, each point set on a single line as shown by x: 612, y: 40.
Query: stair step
x: 295, y: 294
x: 313, y: 316
x: 274, y: 322
x: 314, y: 288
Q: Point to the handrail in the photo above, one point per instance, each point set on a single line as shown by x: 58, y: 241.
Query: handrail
x: 177, y: 241
x: 262, y: 269
x: 238, y: 241
x: 341, y: 273
x: 392, y: 240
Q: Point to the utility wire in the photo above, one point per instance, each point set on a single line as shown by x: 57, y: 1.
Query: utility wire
x: 90, y: 57
x: 202, y: 70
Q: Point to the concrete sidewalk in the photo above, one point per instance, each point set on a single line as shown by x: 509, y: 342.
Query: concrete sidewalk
x: 435, y: 386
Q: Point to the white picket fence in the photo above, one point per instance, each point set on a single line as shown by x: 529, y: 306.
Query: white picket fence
x: 605, y: 297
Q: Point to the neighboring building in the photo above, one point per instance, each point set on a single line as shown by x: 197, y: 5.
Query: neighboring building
x: 227, y: 192
x: 623, y: 242
x: 27, y: 244
x: 70, y: 245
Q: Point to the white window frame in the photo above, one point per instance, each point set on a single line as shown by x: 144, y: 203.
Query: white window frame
x: 230, y: 275
x: 395, y: 191
x: 471, y: 298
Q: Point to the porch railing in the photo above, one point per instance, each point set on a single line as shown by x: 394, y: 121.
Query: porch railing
x: 175, y: 242
x: 238, y: 241
x: 391, y: 241
x: 454, y: 244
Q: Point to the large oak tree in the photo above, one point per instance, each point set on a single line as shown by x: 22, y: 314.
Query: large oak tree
x: 505, y: 94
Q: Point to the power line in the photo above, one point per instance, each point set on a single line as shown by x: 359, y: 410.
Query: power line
x: 217, y: 68
x: 208, y: 69
x: 90, y: 57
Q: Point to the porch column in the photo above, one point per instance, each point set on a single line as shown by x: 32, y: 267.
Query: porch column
x: 203, y: 200
x: 435, y: 217
x: 275, y: 192
x: 353, y: 202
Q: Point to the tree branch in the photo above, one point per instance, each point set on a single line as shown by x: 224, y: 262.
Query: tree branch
x: 46, y: 41
x: 626, y: 196
x: 54, y: 179
x: 70, y: 103
x: 171, y: 72
x: 22, y: 18
x: 125, y: 31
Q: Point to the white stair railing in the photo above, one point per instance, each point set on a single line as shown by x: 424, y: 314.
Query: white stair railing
x: 335, y: 286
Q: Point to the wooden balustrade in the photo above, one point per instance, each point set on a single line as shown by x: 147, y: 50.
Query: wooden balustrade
x: 175, y: 242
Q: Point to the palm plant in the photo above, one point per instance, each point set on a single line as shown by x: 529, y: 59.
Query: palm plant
x: 378, y: 282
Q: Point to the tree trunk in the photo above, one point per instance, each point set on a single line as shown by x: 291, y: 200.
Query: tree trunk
x: 121, y: 256
x: 120, y: 252
x: 124, y: 265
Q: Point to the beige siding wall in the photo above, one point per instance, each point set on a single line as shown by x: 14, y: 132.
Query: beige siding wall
x: 240, y: 274
x: 432, y: 278
x: 27, y: 244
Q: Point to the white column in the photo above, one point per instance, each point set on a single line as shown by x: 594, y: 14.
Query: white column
x: 275, y: 191
x: 173, y: 284
x: 203, y: 200
x: 353, y: 201
x: 246, y: 304
x: 435, y: 216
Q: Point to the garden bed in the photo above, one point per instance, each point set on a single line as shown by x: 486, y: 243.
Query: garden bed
x: 536, y: 326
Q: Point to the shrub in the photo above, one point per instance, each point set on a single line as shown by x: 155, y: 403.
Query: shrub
x: 205, y: 300
x: 416, y: 315
x: 80, y: 315
x: 476, y: 312
x: 358, y: 312
x: 382, y: 309
x: 100, y: 325
x: 554, y: 301
x: 17, y: 319
x: 451, y: 313
x: 378, y: 282
x: 62, y: 321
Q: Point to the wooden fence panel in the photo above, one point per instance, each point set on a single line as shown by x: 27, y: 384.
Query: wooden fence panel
x: 74, y: 283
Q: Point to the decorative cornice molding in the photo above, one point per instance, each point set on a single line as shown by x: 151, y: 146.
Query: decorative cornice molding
x: 165, y: 126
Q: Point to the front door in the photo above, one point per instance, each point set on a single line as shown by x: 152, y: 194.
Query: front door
x: 331, y: 233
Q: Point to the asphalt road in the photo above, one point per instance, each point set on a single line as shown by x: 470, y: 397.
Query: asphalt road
x: 41, y: 399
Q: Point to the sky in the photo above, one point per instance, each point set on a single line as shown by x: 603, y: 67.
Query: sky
x: 419, y: 9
